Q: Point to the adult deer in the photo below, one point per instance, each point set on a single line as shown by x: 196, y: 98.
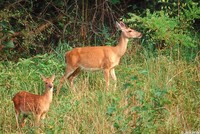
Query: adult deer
x: 38, y: 105
x: 97, y: 58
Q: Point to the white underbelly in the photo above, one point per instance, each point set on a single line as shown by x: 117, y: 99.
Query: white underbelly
x: 90, y: 69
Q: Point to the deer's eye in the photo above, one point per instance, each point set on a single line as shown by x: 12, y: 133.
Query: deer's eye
x: 129, y: 31
x: 46, y: 83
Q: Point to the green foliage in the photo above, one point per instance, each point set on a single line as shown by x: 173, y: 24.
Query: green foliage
x: 18, y: 35
x: 153, y: 95
x: 170, y: 30
x: 115, y: 2
x: 6, y: 32
x: 9, y: 44
x: 35, y: 27
x: 160, y: 29
x: 191, y: 11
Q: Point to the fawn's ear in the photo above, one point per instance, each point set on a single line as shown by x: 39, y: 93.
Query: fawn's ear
x: 53, y: 77
x: 120, y: 25
x: 43, y: 78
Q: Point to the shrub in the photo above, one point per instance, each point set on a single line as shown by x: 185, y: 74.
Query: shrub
x: 160, y: 29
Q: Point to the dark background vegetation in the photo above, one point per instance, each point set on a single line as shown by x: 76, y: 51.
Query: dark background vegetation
x: 29, y: 27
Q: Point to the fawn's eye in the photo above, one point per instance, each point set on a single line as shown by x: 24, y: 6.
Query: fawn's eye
x: 46, y: 83
x: 129, y: 31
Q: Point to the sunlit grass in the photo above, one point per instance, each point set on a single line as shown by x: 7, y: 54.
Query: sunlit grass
x: 154, y: 94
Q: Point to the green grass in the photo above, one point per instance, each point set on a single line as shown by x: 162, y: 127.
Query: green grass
x: 154, y: 94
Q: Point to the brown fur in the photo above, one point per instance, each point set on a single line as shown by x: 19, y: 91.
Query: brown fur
x: 38, y: 105
x: 97, y: 58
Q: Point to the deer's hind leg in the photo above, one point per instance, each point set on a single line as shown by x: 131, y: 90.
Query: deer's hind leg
x: 69, y: 71
x: 73, y: 75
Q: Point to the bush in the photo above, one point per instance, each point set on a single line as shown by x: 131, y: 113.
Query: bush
x: 161, y: 30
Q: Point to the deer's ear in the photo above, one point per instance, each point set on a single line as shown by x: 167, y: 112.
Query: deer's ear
x: 120, y: 25
x: 53, y: 77
x: 43, y: 78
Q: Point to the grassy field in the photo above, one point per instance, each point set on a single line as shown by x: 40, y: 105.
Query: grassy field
x: 154, y: 94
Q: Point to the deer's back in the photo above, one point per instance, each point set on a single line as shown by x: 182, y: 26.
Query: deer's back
x: 28, y: 102
x: 92, y: 57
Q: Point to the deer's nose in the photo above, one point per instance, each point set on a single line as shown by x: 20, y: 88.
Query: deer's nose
x: 50, y: 86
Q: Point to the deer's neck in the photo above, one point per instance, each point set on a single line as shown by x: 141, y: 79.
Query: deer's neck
x: 122, y: 45
x: 48, y: 95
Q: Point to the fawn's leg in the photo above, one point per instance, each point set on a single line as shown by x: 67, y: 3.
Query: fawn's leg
x: 37, y: 119
x: 17, y: 113
x: 43, y: 116
x: 24, y: 120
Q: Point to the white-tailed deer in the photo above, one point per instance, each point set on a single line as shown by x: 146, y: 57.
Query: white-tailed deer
x: 97, y: 58
x: 38, y: 105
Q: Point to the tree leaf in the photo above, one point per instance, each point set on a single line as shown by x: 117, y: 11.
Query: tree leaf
x: 9, y: 44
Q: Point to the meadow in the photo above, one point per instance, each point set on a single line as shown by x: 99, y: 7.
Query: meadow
x: 155, y: 93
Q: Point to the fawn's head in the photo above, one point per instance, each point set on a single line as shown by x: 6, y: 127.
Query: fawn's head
x: 128, y: 32
x: 48, y: 81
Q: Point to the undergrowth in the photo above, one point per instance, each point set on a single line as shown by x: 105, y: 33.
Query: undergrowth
x: 154, y: 94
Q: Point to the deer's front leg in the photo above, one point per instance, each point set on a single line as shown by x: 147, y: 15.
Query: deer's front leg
x: 112, y: 73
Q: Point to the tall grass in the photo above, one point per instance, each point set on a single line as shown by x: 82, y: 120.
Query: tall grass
x: 154, y: 94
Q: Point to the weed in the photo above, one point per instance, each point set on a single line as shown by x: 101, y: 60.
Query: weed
x: 154, y: 94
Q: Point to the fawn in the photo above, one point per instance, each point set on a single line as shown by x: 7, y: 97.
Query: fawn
x: 38, y: 105
x: 97, y: 58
